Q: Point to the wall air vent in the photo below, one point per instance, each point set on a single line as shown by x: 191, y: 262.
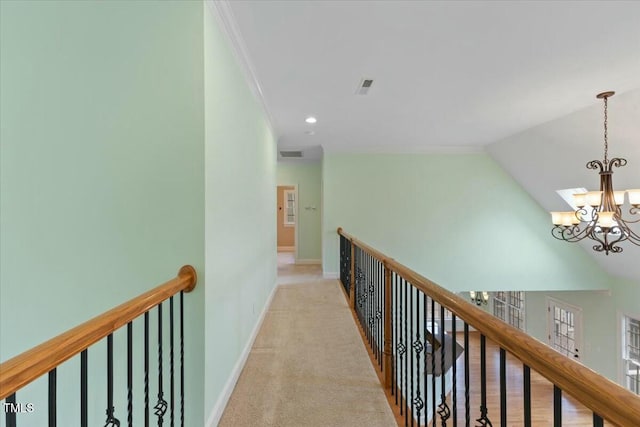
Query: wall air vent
x: 291, y: 154
x: 364, y: 86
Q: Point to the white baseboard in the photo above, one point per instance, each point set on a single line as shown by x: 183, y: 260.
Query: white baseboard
x: 329, y: 275
x: 223, y: 399
x: 309, y: 262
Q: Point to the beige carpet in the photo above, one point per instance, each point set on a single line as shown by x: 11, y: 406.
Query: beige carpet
x: 308, y: 366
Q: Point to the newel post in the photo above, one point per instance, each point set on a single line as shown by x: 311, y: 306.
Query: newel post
x: 352, y: 274
x: 388, y: 327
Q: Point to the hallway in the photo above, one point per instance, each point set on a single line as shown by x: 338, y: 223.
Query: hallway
x: 308, y: 365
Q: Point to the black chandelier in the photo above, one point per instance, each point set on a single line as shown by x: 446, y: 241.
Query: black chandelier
x: 599, y: 214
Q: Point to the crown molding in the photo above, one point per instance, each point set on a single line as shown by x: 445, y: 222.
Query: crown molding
x: 427, y: 149
x: 223, y: 14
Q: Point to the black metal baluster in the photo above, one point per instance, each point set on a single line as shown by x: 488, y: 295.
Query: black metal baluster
x: 380, y: 311
x: 367, y: 279
x: 10, y: 414
x: 418, y: 347
x: 161, y: 406
x: 433, y: 362
x: 503, y: 387
x: 365, y: 289
x: 412, y: 401
x: 484, y: 419
x: 182, y: 358
x: 53, y: 405
x: 467, y: 403
x: 400, y: 346
x: 443, y: 408
x: 84, y: 361
x: 111, y: 419
x: 358, y: 305
x: 360, y: 288
x: 425, y: 301
x: 146, y: 369
x: 374, y: 311
x: 557, y: 406
x: 376, y: 301
x: 349, y: 266
x: 171, y: 375
x: 130, y: 374
x: 527, y: 395
x: 394, y: 336
x: 342, y: 261
x: 454, y: 371
x: 406, y: 359
x: 351, y: 253
x: 597, y: 420
x: 372, y: 303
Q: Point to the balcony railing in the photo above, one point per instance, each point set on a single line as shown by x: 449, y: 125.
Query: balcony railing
x: 411, y: 327
x: 167, y: 397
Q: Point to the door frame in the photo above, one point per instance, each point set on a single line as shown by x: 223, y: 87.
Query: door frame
x: 297, y: 214
x: 578, y: 324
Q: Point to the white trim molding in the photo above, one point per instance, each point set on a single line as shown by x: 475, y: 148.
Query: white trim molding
x: 223, y: 13
x: 225, y: 395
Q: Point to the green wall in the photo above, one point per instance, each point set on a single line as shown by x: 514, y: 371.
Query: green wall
x: 457, y: 219
x: 602, y: 313
x: 308, y: 177
x: 240, y: 182
x: 102, y: 179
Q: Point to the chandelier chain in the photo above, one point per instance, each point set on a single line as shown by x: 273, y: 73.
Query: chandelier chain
x: 606, y: 139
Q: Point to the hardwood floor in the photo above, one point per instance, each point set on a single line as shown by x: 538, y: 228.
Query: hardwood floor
x: 574, y: 414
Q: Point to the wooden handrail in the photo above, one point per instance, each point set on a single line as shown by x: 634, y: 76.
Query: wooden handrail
x: 601, y: 395
x: 19, y: 371
x: 370, y: 250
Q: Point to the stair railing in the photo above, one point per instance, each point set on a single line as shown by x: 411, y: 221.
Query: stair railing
x: 25, y: 368
x: 403, y: 317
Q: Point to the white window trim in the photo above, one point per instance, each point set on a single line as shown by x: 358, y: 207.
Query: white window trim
x: 622, y: 380
x: 286, y: 222
x: 507, y: 304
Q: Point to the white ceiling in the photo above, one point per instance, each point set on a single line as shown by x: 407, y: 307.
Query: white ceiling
x: 446, y: 74
x: 517, y: 79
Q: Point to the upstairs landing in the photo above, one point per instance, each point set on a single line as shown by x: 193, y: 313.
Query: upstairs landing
x: 308, y: 365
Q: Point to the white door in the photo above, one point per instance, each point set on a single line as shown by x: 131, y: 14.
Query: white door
x: 564, y: 328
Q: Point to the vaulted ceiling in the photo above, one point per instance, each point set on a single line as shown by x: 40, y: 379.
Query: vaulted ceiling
x: 449, y: 76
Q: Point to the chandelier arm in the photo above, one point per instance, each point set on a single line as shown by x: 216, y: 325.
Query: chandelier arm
x: 635, y: 210
x: 603, y: 245
x: 622, y: 236
x: 628, y: 221
x: 582, y: 214
x: 631, y: 236
x: 596, y: 164
x: 571, y: 233
x: 617, y: 162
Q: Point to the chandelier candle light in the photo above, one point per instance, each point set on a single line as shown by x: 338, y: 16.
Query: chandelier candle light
x: 599, y: 214
x: 479, y: 297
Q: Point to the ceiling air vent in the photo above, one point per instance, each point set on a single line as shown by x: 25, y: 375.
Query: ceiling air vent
x: 364, y: 86
x: 290, y: 154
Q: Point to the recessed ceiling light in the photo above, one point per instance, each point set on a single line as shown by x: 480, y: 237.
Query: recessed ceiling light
x: 311, y: 120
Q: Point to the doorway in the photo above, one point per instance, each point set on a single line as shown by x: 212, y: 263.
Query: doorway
x: 287, y: 217
x: 564, y: 328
